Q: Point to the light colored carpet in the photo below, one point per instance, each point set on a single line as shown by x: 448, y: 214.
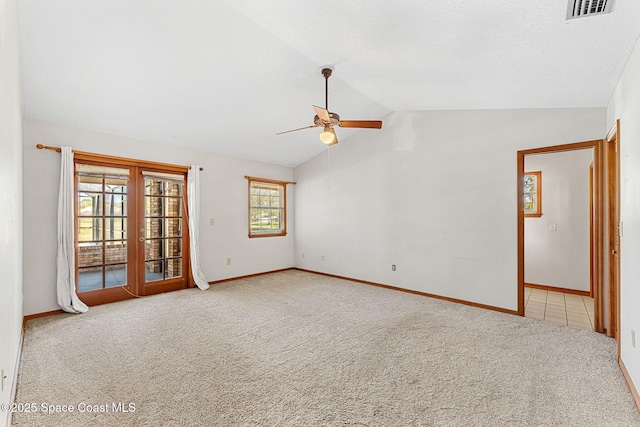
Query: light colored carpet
x: 300, y: 349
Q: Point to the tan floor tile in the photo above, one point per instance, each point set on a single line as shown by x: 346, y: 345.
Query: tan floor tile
x: 555, y: 320
x: 554, y: 294
x: 576, y: 309
x: 583, y: 319
x: 556, y: 307
x: 538, y: 294
x: 571, y: 315
x: 579, y: 321
x: 557, y: 310
x: 579, y: 306
x: 556, y: 303
x: 536, y: 304
x: 581, y: 325
x: 554, y: 313
x: 537, y: 316
x: 533, y: 313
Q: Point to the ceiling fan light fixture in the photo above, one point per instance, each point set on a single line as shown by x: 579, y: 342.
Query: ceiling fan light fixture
x: 328, y: 135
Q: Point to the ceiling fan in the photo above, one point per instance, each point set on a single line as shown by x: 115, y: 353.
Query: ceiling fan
x: 326, y: 119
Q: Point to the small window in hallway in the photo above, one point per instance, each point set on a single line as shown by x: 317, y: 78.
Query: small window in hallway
x: 532, y: 202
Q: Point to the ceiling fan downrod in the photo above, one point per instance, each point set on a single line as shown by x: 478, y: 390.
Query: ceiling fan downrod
x: 326, y: 72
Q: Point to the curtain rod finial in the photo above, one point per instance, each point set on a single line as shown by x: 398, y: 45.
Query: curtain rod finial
x: 40, y: 147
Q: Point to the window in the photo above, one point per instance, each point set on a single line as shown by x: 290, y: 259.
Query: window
x: 532, y: 194
x: 267, y: 207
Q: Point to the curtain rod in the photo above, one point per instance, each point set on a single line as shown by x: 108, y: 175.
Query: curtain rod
x: 59, y: 150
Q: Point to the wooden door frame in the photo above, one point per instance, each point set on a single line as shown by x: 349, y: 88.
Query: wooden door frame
x: 119, y: 293
x: 612, y: 154
x: 598, y: 229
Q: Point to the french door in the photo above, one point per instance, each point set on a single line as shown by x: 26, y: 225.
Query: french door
x: 131, y: 229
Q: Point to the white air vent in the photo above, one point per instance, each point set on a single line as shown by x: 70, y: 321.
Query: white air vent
x: 584, y: 8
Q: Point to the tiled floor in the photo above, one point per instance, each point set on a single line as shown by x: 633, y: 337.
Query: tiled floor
x: 557, y: 307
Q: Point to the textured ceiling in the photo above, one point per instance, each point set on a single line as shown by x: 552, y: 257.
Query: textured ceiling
x: 225, y: 76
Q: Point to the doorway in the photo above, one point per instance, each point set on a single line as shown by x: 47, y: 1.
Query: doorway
x: 597, y: 230
x: 131, y: 228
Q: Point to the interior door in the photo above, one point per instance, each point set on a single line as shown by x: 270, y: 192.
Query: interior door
x: 131, y: 231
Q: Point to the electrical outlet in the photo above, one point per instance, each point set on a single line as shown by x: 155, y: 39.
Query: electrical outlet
x: 393, y: 267
x: 553, y: 227
x: 212, y: 222
x: 228, y: 261
x: 633, y: 338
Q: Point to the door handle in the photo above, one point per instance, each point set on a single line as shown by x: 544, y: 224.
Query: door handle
x: 141, y: 239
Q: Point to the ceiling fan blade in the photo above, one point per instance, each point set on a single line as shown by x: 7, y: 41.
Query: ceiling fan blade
x: 363, y: 124
x: 295, y: 130
x: 322, y: 113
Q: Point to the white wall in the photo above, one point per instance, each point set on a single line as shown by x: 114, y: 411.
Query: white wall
x: 560, y: 258
x: 223, y: 197
x: 433, y: 192
x: 10, y: 198
x: 625, y: 105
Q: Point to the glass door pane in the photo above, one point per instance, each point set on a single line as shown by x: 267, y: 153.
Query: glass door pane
x: 102, y: 195
x: 163, y: 210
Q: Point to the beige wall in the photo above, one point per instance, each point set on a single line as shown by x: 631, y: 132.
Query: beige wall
x: 10, y: 197
x: 625, y: 105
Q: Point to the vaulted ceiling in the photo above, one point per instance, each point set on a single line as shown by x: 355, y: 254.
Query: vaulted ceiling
x: 225, y: 76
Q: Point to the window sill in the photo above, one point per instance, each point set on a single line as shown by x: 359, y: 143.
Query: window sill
x: 284, y: 233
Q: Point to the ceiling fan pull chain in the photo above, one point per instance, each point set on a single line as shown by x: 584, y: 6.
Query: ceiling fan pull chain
x: 328, y: 169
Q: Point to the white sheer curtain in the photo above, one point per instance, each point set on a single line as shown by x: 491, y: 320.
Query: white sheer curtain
x: 193, y: 197
x: 66, y: 281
